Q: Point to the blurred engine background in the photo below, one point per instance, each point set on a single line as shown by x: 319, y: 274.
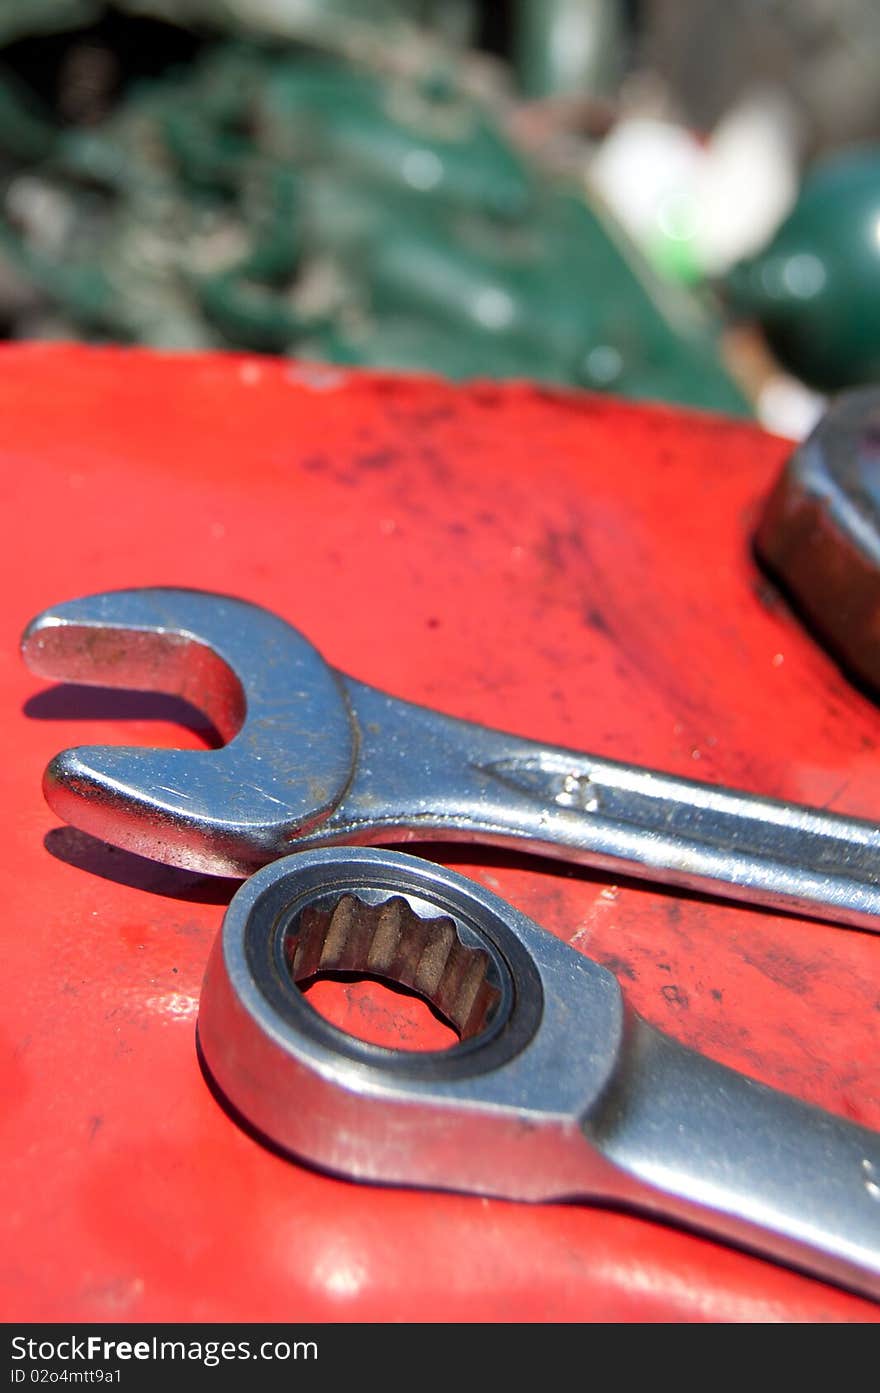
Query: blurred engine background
x: 667, y: 201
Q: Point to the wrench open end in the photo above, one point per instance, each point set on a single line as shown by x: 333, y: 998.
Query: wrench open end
x: 267, y: 691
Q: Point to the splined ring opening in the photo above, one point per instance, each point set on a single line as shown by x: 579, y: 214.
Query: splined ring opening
x: 390, y: 941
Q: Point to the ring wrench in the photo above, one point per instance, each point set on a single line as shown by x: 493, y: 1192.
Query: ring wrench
x: 820, y: 531
x: 556, y: 1090
x: 317, y: 758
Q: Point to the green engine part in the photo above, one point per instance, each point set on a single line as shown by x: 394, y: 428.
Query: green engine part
x: 287, y: 202
x: 552, y: 297
x: 816, y: 287
x: 423, y: 136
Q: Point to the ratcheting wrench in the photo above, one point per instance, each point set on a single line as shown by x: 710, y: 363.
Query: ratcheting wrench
x: 556, y: 1090
x: 317, y: 758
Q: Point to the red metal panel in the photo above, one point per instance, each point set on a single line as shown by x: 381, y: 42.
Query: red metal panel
x: 564, y: 566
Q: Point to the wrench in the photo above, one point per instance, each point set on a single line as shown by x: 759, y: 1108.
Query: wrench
x: 820, y: 532
x: 316, y: 758
x: 556, y: 1090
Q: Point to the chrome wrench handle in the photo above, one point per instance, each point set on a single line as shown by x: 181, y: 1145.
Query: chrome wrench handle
x: 557, y: 1090
x: 315, y: 758
x: 689, y: 1137
x: 421, y: 776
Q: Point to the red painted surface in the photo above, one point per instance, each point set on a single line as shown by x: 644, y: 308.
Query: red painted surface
x: 562, y: 566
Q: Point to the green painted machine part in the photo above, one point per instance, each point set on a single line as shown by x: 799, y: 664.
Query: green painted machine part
x: 525, y: 297
x: 287, y: 201
x: 569, y: 47
x: 816, y: 287
x: 423, y: 136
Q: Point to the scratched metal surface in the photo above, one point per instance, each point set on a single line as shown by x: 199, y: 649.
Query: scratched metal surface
x: 567, y: 567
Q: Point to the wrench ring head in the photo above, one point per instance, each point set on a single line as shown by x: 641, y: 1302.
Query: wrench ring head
x: 442, y: 1117
x: 476, y: 984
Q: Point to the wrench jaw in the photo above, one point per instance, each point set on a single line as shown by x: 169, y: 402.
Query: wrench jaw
x: 177, y: 664
x: 187, y: 815
x: 267, y: 691
x: 498, y: 1114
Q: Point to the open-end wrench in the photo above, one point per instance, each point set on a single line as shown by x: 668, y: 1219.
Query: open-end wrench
x: 556, y: 1090
x: 317, y: 758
